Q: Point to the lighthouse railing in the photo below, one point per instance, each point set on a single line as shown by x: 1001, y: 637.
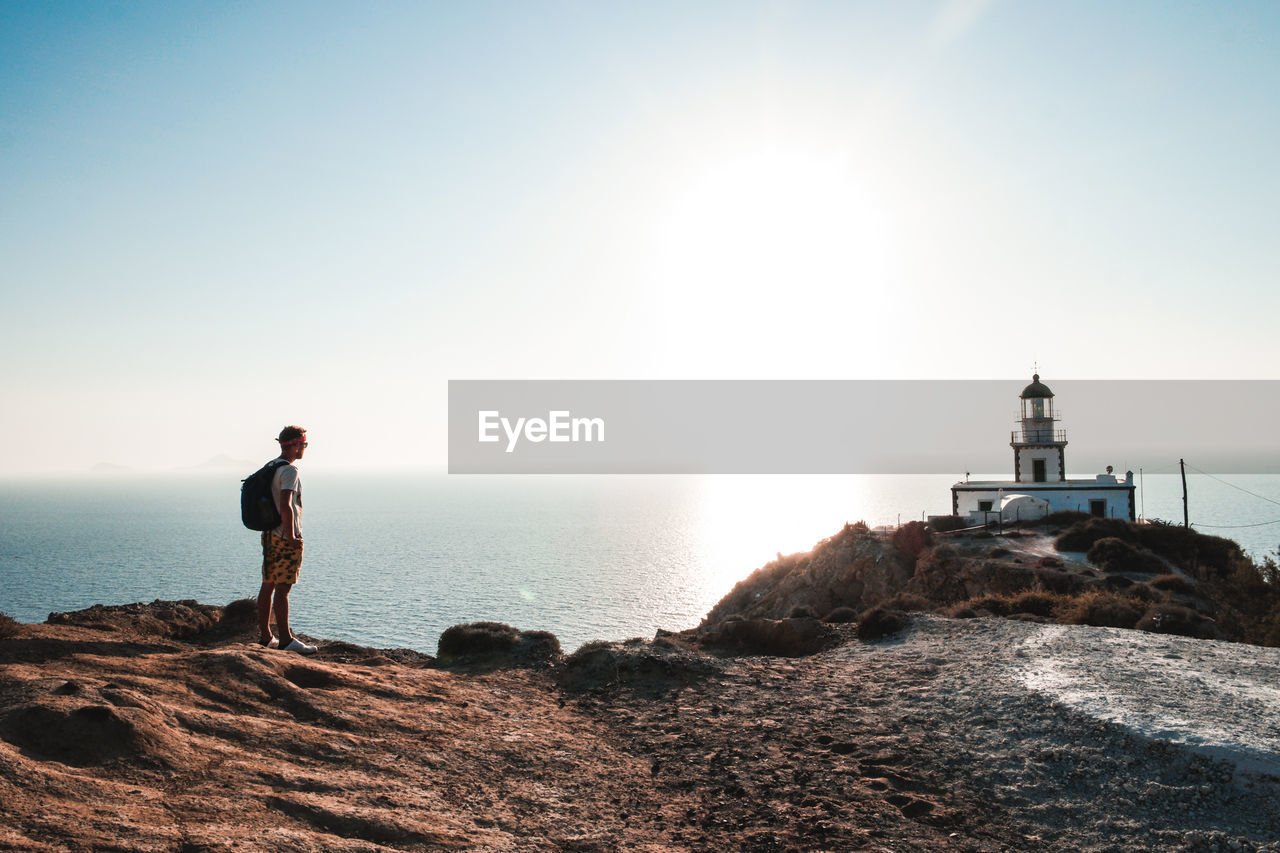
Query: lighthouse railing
x: 1035, y: 436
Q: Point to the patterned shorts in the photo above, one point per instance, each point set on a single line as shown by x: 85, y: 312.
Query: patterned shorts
x: 281, y: 559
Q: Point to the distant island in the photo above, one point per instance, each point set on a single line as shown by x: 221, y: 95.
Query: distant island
x: 219, y: 464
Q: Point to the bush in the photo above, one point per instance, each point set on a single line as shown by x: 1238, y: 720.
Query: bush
x: 241, y: 613
x: 493, y: 639
x: 777, y: 637
x: 962, y: 611
x: 8, y: 626
x: 1081, y: 535
x: 1102, y: 609
x: 946, y: 523
x: 1190, y: 549
x: 879, y: 622
x: 1035, y: 603
x: 909, y: 603
x: 1061, y: 582
x: 1065, y: 518
x: 1112, y: 554
x: 994, y: 604
x: 943, y: 552
x: 912, y: 538
x: 1174, y: 619
x: 802, y: 612
x: 477, y: 638
x: 841, y: 616
x: 1176, y: 584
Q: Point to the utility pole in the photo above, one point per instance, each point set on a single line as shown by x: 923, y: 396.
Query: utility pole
x: 1183, y: 466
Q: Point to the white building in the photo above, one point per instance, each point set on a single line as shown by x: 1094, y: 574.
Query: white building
x: 1040, y: 485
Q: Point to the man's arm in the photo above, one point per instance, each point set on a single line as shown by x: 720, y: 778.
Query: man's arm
x: 286, y: 515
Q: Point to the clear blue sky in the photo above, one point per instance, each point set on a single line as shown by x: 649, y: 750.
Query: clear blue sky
x: 216, y: 218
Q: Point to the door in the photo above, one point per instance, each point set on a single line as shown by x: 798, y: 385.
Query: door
x: 1037, y: 471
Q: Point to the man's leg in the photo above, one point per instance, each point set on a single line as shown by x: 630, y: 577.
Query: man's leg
x: 282, y: 613
x: 264, y: 612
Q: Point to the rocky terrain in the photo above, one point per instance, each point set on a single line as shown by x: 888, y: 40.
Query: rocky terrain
x: 163, y: 727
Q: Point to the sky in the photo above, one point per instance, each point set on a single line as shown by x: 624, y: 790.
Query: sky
x: 220, y: 218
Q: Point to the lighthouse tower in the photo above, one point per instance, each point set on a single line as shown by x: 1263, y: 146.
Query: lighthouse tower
x: 1040, y: 485
x: 1039, y: 450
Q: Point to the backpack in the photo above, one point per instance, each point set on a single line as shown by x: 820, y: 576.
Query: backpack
x: 258, y: 508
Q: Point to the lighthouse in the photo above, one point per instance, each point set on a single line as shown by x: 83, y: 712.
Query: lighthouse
x: 1040, y: 484
x: 1039, y: 448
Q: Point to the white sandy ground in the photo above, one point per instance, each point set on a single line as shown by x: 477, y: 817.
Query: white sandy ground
x: 1088, y: 740
x: 1219, y: 699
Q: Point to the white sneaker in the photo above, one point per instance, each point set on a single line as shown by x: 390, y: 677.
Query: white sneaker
x: 300, y: 647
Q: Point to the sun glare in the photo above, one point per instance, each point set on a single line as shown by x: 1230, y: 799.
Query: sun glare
x: 745, y: 521
x: 753, y: 226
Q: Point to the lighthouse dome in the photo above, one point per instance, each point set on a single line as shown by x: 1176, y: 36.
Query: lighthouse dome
x: 1036, y: 389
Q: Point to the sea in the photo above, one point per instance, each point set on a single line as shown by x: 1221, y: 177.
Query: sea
x: 392, y: 560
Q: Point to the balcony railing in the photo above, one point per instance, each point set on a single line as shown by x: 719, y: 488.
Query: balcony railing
x: 1037, y: 436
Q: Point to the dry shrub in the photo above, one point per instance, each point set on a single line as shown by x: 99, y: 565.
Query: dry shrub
x: 1049, y: 562
x: 943, y: 552
x: 1061, y: 582
x: 1036, y: 603
x: 1190, y: 549
x: 477, y: 638
x: 909, y: 603
x: 8, y: 626
x: 946, y: 523
x: 912, y: 538
x: 998, y: 552
x: 777, y: 637
x: 241, y: 613
x: 491, y: 639
x: 1112, y: 554
x: 663, y: 665
x: 841, y: 616
x: 1103, y: 609
x: 996, y: 605
x: 1065, y: 518
x: 1176, y: 584
x: 1081, y: 535
x: 1144, y: 593
x: 1174, y: 619
x: 878, y: 623
x: 962, y: 611
x: 802, y: 612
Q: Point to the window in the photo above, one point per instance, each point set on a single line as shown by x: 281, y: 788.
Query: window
x: 984, y: 506
x: 1098, y: 508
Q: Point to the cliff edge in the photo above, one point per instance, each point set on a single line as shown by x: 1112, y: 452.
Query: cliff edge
x: 162, y: 727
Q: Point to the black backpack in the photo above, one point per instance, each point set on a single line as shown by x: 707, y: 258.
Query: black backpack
x: 258, y: 508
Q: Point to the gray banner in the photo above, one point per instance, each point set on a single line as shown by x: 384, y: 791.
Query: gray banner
x: 849, y: 427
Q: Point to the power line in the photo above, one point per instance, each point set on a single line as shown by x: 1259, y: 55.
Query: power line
x: 1234, y: 526
x: 1234, y: 486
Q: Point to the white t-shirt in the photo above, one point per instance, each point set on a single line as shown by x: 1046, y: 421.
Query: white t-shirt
x: 287, y: 479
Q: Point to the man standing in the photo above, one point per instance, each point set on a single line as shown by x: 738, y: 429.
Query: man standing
x: 282, y: 547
